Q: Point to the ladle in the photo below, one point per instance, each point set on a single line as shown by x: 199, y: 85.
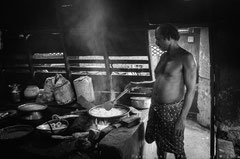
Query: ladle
x: 110, y: 104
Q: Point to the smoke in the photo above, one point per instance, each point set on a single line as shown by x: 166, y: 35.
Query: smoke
x: 90, y: 25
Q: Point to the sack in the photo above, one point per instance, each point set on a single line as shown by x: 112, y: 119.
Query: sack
x: 84, y: 87
x: 46, y: 95
x: 56, y: 88
x: 49, y: 84
x: 63, y: 92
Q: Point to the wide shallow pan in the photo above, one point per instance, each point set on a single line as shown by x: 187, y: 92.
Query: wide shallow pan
x: 14, y: 133
x: 113, y: 115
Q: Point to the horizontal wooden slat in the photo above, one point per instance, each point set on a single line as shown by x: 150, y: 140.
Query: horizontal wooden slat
x: 130, y: 70
x: 86, y: 69
x: 93, y: 57
x: 131, y: 74
x: 86, y: 61
x: 89, y: 73
x: 47, y: 74
x: 50, y: 71
x: 47, y: 61
x: 50, y: 68
x: 129, y: 61
x: 88, y: 65
x: 133, y: 57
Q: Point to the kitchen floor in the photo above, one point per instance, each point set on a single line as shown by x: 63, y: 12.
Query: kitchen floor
x: 197, y: 143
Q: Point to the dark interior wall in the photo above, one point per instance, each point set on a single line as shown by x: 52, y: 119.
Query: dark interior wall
x: 95, y: 27
x: 224, y: 51
x: 27, y: 14
x: 227, y: 68
x: 179, y: 11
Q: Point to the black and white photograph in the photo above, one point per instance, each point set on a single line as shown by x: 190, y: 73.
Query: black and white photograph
x: 119, y: 79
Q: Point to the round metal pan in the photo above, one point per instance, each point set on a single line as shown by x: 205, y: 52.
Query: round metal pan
x: 32, y: 107
x: 124, y: 111
x: 15, y: 132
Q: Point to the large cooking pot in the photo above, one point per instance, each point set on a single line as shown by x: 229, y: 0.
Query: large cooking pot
x: 115, y: 114
x: 31, y: 111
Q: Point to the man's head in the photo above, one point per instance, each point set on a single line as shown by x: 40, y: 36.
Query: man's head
x: 164, y: 34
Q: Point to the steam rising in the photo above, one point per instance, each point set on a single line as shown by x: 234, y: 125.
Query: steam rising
x: 90, y: 24
x: 88, y: 27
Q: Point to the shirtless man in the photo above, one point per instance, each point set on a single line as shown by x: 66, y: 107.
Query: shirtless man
x: 172, y: 95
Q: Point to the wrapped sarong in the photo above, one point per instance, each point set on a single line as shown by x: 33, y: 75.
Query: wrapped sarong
x: 161, y: 127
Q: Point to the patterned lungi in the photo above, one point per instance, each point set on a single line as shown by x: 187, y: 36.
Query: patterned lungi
x: 161, y: 127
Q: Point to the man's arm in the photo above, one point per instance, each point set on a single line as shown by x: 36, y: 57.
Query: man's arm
x: 189, y: 75
x: 144, y: 83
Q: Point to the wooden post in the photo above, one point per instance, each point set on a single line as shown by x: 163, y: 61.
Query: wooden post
x: 62, y: 40
x: 27, y: 44
x: 108, y: 73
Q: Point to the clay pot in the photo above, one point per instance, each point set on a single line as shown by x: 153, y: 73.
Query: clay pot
x: 31, y: 92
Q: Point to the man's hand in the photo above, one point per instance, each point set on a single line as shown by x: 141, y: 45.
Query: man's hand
x: 131, y: 86
x: 179, y: 127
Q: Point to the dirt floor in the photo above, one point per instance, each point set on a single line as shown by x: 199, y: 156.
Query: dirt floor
x: 197, y: 143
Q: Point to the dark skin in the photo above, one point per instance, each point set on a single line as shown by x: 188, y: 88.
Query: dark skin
x: 175, y: 78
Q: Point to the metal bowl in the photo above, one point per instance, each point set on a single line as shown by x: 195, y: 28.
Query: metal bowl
x: 140, y: 102
x: 31, y: 111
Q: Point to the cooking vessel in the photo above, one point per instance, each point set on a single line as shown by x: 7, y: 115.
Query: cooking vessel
x: 115, y: 114
x: 31, y: 111
x: 15, y: 134
x: 140, y: 102
x: 31, y: 92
